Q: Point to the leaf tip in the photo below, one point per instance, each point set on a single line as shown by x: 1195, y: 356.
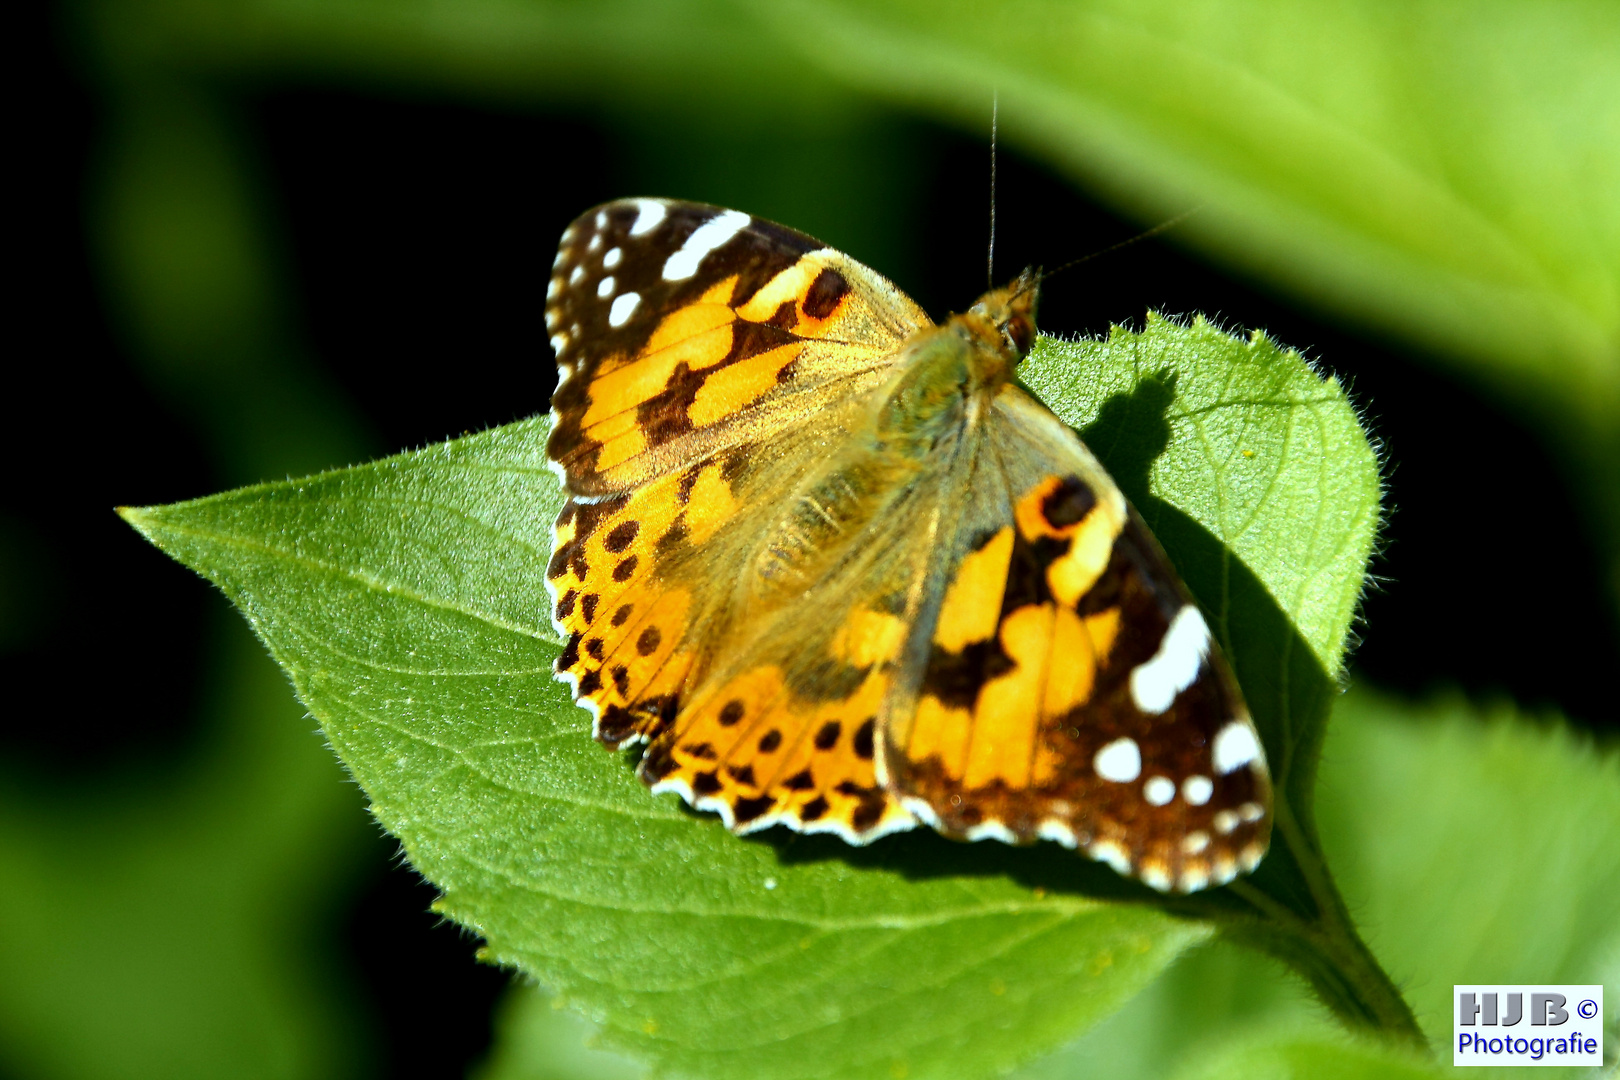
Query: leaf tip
x: 138, y: 518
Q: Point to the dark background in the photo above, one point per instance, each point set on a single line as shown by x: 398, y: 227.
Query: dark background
x: 417, y: 237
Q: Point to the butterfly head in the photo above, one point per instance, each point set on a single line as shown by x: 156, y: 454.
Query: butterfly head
x: 1011, y: 311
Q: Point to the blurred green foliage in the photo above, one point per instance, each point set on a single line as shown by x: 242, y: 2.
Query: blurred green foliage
x: 1446, y: 175
x: 167, y: 925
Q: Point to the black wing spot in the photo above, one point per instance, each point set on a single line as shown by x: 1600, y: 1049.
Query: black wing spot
x: 593, y: 648
x: 1068, y: 503
x: 868, y: 812
x: 565, y: 606
x: 622, y: 614
x: 647, y: 643
x: 622, y: 536
x: 825, y: 294
x: 863, y: 739
x: 800, y: 781
x: 731, y: 714
x: 955, y: 678
x: 625, y: 569
x: 770, y: 741
x: 813, y: 810
x: 587, y: 607
x: 705, y: 783
x: 570, y: 654
x: 827, y: 737
x: 746, y: 810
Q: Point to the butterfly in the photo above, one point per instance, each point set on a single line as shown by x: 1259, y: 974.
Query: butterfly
x: 841, y: 573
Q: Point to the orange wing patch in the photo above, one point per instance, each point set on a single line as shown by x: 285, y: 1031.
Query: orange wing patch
x: 626, y: 653
x: 759, y: 755
x: 1009, y: 654
x: 777, y: 745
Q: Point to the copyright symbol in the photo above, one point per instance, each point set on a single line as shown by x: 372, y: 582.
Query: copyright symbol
x: 1587, y: 1009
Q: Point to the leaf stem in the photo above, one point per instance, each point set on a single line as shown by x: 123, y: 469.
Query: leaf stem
x: 1326, y: 949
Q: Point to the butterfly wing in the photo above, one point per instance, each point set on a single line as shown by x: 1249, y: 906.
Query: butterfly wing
x: 708, y: 360
x: 1062, y: 684
x: 682, y: 330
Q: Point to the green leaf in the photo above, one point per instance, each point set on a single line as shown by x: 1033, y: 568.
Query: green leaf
x: 1474, y: 845
x: 406, y: 600
x: 1453, y: 174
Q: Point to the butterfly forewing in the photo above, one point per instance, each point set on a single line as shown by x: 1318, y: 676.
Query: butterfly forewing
x: 839, y: 600
x: 681, y: 329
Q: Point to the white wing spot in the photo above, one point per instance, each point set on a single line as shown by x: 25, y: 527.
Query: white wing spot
x: 1156, y: 682
x: 596, y: 242
x: 1195, y: 842
x: 708, y: 236
x: 1251, y: 811
x: 1159, y: 790
x: 559, y: 342
x: 1225, y: 821
x: 992, y: 830
x: 1194, y: 878
x: 1155, y: 877
x: 1056, y: 830
x: 649, y: 212
x: 562, y: 257
x: 623, y: 307
x: 1197, y: 790
x: 1235, y: 747
x: 1119, y: 761
x: 611, y: 259
x: 605, y: 289
x: 553, y: 287
x: 1111, y: 853
x: 579, y: 272
x: 601, y: 219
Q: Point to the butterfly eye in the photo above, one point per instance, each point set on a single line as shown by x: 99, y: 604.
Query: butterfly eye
x: 1020, y: 332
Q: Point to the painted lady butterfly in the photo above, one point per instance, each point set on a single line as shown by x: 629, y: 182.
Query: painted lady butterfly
x: 843, y: 574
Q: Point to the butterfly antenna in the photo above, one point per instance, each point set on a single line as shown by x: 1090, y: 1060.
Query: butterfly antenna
x: 1042, y: 275
x: 990, y: 267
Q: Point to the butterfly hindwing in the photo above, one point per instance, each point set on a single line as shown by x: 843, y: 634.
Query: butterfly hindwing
x: 1067, y: 687
x: 783, y: 728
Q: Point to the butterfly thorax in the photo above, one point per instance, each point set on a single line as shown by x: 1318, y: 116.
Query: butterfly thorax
x: 941, y: 386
